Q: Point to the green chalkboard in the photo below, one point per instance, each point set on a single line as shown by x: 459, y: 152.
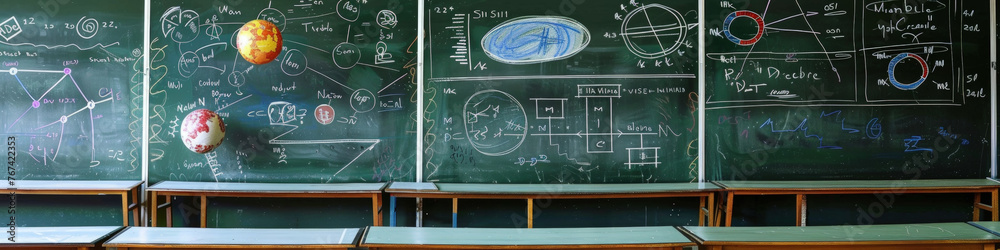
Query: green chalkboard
x: 560, y: 91
x: 72, y: 88
x: 841, y: 89
x: 337, y: 105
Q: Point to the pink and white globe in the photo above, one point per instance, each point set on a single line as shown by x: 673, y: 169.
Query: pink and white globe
x: 202, y: 131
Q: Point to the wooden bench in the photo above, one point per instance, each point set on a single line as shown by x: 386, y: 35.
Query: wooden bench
x: 530, y: 192
x: 128, y: 190
x: 233, y: 238
x: 889, y: 187
x: 522, y: 238
x: 952, y: 236
x: 59, y: 237
x: 266, y: 190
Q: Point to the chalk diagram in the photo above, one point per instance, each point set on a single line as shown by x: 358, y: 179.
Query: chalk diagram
x: 910, y: 65
x: 535, y: 39
x: 496, y: 124
x: 185, y: 26
x: 653, y: 31
x: 769, y: 42
x: 40, y: 104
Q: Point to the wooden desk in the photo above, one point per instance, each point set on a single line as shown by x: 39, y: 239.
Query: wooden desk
x: 124, y: 188
x: 272, y: 190
x: 59, y: 237
x: 989, y: 226
x: 704, y: 191
x: 521, y: 238
x: 952, y: 236
x: 234, y: 238
x: 892, y: 187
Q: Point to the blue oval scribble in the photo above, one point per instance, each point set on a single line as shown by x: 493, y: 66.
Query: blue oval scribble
x: 536, y: 39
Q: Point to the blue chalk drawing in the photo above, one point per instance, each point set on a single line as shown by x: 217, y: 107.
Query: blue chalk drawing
x: 535, y: 39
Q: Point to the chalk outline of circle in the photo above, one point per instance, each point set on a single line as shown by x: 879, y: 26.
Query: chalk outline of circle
x: 13, y: 71
x: 465, y: 121
x: 332, y: 115
x: 305, y: 61
x: 180, y: 12
x: 334, y: 57
x: 342, y: 15
x: 369, y: 94
x: 583, y: 45
x: 395, y: 20
x: 181, y: 61
x: 743, y: 13
x: 240, y: 75
x: 677, y: 44
x: 285, y: 19
x: 892, y: 71
x: 97, y: 27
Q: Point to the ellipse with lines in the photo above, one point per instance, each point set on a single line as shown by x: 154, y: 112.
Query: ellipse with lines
x: 528, y: 40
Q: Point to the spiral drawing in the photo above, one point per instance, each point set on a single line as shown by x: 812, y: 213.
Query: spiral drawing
x: 87, y: 27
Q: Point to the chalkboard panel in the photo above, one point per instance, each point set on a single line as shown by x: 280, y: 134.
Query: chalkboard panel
x: 338, y: 104
x: 560, y: 91
x: 72, y: 88
x: 847, y: 90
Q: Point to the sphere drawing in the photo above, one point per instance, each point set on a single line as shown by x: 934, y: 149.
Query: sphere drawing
x: 259, y: 41
x: 202, y: 131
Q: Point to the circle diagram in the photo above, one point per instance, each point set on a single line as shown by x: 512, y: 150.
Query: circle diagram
x: 294, y: 63
x: 907, y: 86
x: 746, y: 14
x: 324, y: 114
x: 274, y: 16
x: 346, y: 55
x: 180, y: 25
x: 654, y: 31
x: 386, y: 19
x: 363, y: 101
x: 188, y: 64
x: 494, y: 122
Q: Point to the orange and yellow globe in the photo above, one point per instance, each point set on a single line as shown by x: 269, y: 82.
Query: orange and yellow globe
x: 259, y: 41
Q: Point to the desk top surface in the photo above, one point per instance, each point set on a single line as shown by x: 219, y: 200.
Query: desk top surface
x: 527, y: 237
x: 176, y: 236
x: 475, y: 188
x: 29, y: 185
x: 184, y: 186
x: 990, y: 226
x: 60, y: 236
x: 858, y: 184
x: 952, y: 232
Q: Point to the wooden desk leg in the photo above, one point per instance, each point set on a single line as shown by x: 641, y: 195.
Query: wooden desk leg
x: 125, y: 208
x: 701, y: 210
x: 170, y: 211
x: 204, y: 211
x: 976, y: 200
x: 152, y: 208
x: 711, y: 208
x: 135, y: 212
x: 800, y: 207
x: 729, y: 209
x: 531, y: 213
x: 454, y: 212
x: 994, y: 206
x: 377, y: 209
